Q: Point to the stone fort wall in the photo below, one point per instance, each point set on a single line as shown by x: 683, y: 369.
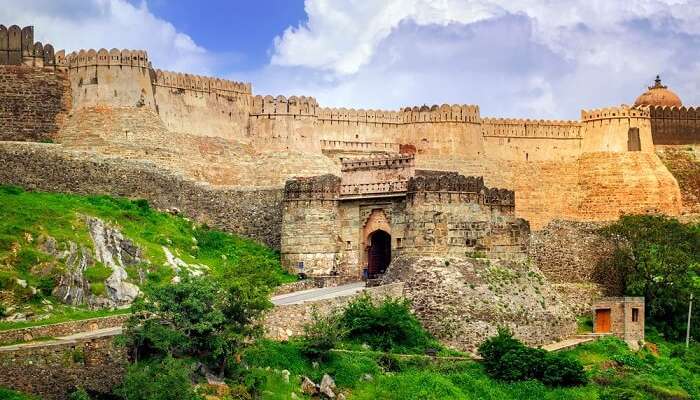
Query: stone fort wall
x: 675, y: 125
x: 34, y: 103
x: 546, y: 162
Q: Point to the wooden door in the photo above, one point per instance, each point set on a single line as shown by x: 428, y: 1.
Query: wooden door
x: 602, y: 321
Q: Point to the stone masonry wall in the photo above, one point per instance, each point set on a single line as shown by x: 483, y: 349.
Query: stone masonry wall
x: 282, y: 322
x: 256, y: 214
x: 33, y: 102
x: 53, y: 371
x: 60, y: 329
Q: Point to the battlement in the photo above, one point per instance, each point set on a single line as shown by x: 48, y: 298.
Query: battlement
x: 361, y: 116
x: 379, y: 162
x: 176, y: 80
x: 103, y: 57
x: 442, y: 113
x: 622, y: 111
x: 457, y: 183
x: 360, y: 146
x: 508, y: 127
x: 667, y: 112
x: 17, y: 47
x: 280, y: 105
x: 324, y: 187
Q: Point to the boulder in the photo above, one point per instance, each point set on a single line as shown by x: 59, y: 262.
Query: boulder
x: 327, y: 386
x: 308, y: 386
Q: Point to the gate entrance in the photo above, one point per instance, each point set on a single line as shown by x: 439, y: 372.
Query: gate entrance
x: 378, y: 253
x: 602, y: 320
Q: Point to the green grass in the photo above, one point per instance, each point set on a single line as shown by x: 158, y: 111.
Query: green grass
x: 7, y: 394
x: 615, y: 373
x: 27, y: 219
x: 63, y: 314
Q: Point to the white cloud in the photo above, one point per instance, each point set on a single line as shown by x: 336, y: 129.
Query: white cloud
x: 86, y: 24
x: 533, y: 58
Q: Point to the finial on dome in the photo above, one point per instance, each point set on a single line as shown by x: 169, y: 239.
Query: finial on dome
x: 657, y: 84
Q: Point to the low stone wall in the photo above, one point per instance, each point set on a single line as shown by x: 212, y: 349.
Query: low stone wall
x: 313, y: 283
x: 256, y: 214
x: 53, y: 371
x: 60, y: 329
x: 286, y: 321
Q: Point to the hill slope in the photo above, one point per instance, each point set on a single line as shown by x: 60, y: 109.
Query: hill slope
x: 64, y: 253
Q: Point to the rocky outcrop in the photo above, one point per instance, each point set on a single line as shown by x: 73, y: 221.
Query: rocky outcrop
x: 116, y: 252
x: 463, y: 301
x: 112, y: 250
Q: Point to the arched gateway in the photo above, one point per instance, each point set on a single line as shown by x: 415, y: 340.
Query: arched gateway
x: 378, y: 253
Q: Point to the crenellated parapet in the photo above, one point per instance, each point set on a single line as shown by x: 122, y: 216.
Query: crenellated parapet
x: 360, y: 146
x: 17, y: 47
x: 282, y: 106
x: 380, y: 162
x: 177, y: 80
x: 331, y: 115
x: 324, y: 187
x: 527, y: 128
x: 408, y: 115
x: 611, y: 113
x: 103, y: 57
x: 472, y: 187
x: 675, y: 125
x: 679, y: 113
x: 442, y: 113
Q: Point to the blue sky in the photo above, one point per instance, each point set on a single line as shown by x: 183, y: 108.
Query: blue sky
x: 242, y: 31
x: 514, y: 58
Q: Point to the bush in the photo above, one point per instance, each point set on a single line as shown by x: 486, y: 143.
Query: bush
x: 79, y: 394
x: 322, y: 334
x: 560, y: 370
x: 166, y: 379
x: 508, y: 359
x: 389, y: 325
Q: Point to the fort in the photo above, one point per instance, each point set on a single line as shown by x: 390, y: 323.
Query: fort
x: 337, y: 181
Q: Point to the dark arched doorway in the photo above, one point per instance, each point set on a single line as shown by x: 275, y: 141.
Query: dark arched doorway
x: 378, y: 253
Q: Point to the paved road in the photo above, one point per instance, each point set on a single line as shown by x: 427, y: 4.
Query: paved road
x: 65, y: 339
x: 285, y: 299
x: 318, y: 294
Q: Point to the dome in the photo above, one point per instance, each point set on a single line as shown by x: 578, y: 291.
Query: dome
x: 658, y: 95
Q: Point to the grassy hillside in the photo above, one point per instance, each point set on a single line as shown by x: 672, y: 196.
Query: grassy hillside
x: 29, y: 274
x: 661, y: 371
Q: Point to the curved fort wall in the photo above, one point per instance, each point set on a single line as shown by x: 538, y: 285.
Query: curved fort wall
x: 616, y: 129
x: 675, y: 125
x: 109, y: 77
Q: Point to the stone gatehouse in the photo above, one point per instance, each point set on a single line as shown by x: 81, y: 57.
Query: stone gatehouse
x: 380, y: 207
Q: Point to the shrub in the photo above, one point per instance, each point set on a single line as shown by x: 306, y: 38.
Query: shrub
x: 167, y: 379
x: 79, y: 394
x: 508, y: 359
x: 322, y: 334
x: 389, y: 325
x: 560, y: 370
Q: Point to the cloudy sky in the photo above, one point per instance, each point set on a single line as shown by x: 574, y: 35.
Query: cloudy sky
x: 516, y: 58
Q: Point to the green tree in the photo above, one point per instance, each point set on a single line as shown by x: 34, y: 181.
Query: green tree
x: 205, y: 317
x: 166, y: 379
x: 659, y: 258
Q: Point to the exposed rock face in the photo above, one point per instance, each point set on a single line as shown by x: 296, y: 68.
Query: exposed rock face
x: 112, y: 249
x: 115, y: 252
x: 463, y: 301
x: 72, y: 287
